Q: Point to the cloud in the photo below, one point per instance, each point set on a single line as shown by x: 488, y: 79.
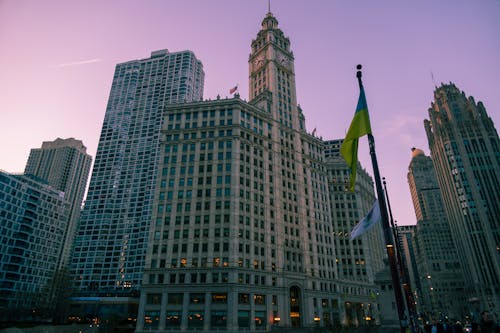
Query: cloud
x: 403, y: 130
x: 78, y: 63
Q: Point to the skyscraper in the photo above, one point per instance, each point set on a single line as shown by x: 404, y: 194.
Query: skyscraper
x: 65, y: 165
x: 34, y: 219
x: 440, y: 282
x: 242, y: 234
x: 465, y: 147
x: 110, y: 245
x: 405, y: 235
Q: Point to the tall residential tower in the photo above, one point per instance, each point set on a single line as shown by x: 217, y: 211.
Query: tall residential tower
x: 65, y: 165
x: 110, y: 245
x: 465, y: 148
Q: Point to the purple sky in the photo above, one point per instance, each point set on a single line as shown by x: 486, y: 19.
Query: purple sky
x: 57, y: 60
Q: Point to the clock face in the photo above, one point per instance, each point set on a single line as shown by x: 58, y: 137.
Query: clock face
x: 258, y: 62
x: 284, y: 61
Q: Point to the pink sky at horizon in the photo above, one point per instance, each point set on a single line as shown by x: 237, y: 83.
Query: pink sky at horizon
x: 57, y: 61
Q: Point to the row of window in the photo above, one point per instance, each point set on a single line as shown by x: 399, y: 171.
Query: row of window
x: 217, y: 261
x: 214, y: 277
x: 196, y: 319
x: 199, y: 298
x: 201, y: 114
x: 197, y: 135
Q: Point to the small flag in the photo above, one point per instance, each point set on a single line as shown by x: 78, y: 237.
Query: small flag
x: 233, y: 90
x: 367, y: 222
x: 360, y: 126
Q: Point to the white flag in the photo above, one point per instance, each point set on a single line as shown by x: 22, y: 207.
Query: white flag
x: 367, y: 222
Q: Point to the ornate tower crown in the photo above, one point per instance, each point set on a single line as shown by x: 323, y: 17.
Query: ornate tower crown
x: 271, y: 71
x: 269, y: 22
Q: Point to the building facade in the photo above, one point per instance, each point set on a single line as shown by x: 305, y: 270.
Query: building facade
x: 440, y: 280
x: 34, y: 218
x: 110, y: 244
x: 465, y: 147
x: 406, y: 236
x: 65, y: 165
x: 386, y: 304
x: 242, y: 235
x: 359, y: 260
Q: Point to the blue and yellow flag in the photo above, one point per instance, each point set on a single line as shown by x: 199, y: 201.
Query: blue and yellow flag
x: 360, y: 126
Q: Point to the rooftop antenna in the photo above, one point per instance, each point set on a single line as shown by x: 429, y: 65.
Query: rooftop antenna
x: 433, y: 81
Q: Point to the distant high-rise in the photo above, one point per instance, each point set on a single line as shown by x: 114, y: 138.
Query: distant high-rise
x: 440, y: 283
x: 465, y: 148
x: 65, y: 165
x: 406, y: 236
x: 110, y: 245
x: 33, y: 225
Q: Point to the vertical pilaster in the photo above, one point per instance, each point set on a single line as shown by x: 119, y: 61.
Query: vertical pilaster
x: 185, y: 304
x: 163, y: 311
x: 232, y: 311
x: 252, y: 312
x: 140, y: 318
x: 208, y: 304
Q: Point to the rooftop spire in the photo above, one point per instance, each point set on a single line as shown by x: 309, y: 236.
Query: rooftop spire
x: 269, y: 21
x: 269, y: 6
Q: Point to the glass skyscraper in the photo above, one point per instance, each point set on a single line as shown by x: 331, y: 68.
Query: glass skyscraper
x: 111, y: 241
x: 34, y: 219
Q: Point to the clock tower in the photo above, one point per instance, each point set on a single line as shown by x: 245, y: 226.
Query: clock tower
x: 272, y: 90
x: 272, y: 76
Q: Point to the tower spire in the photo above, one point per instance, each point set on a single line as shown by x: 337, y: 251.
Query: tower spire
x: 269, y: 6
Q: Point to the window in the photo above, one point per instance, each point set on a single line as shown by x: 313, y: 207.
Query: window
x: 243, y: 298
x: 218, y: 319
x: 151, y: 319
x: 153, y: 299
x: 195, y: 319
x: 219, y: 298
x: 259, y: 299
x: 173, y: 319
x: 175, y: 298
x: 244, y: 319
x: 197, y: 298
x: 260, y: 318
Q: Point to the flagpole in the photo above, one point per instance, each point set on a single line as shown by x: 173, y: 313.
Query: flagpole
x: 385, y: 222
x: 403, y: 267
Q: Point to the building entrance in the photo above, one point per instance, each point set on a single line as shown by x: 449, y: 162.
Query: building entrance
x: 295, y: 306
